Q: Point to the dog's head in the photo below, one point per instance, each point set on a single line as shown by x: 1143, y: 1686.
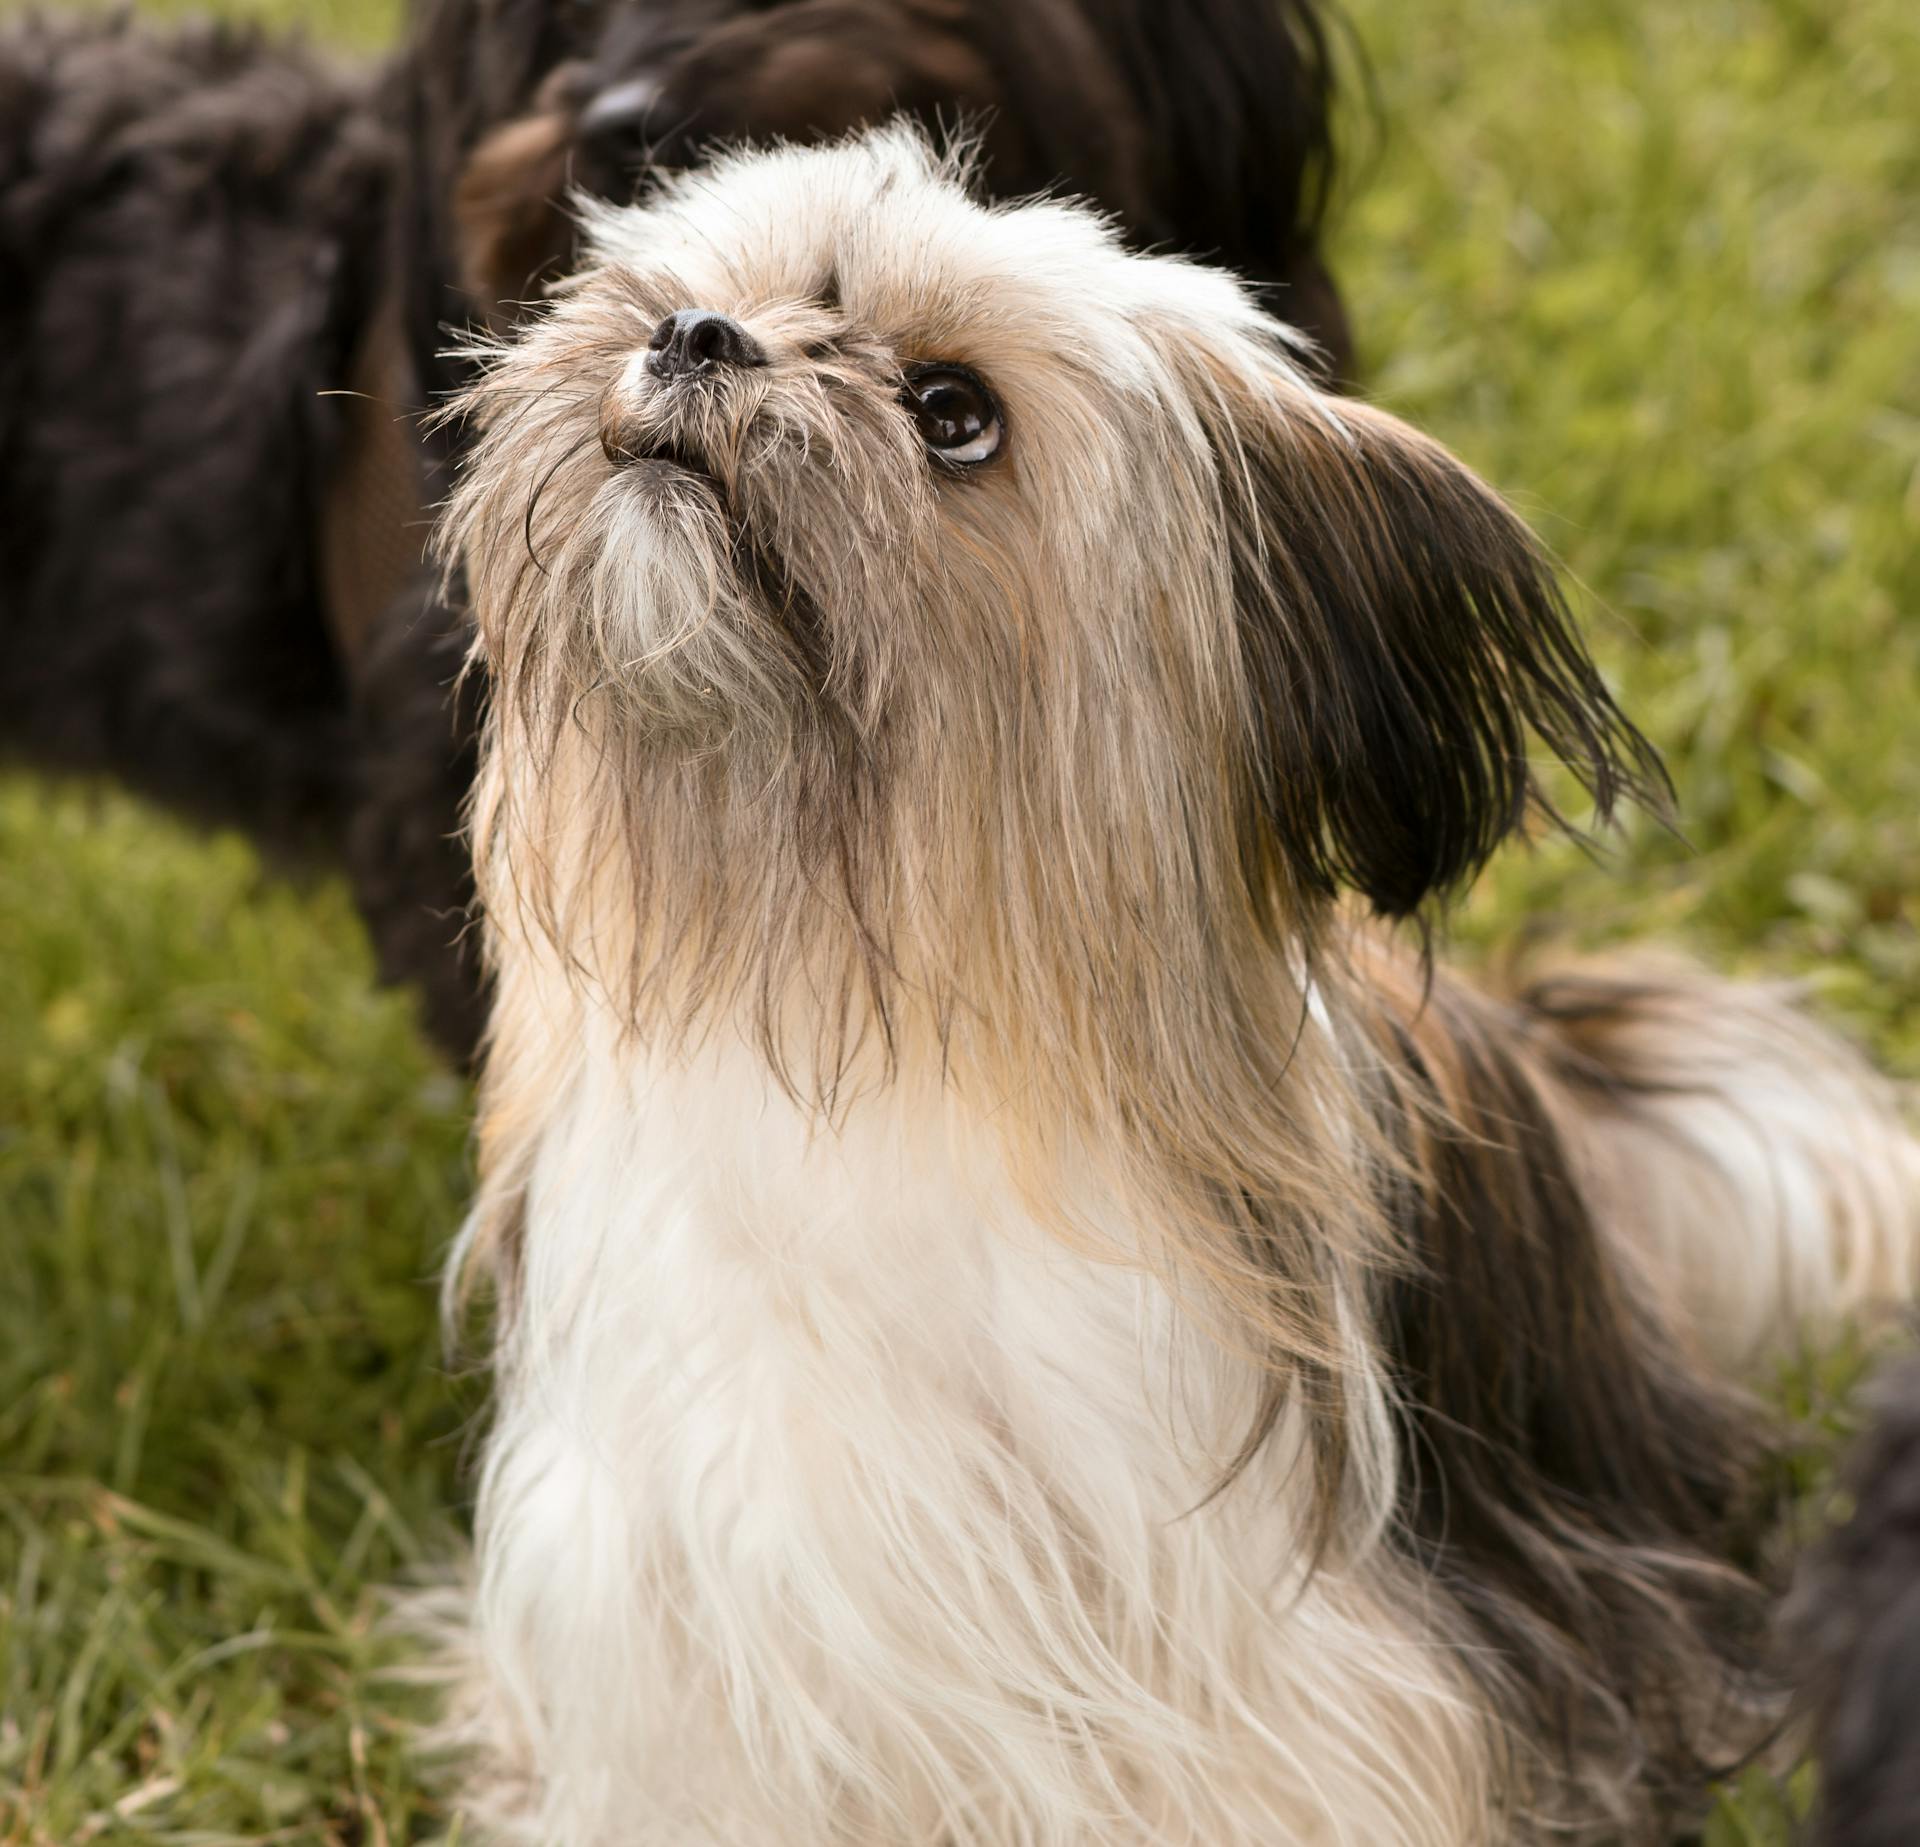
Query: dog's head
x: 1208, y: 130
x: 853, y: 557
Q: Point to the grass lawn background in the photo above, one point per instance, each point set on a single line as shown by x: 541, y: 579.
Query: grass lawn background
x: 1654, y: 268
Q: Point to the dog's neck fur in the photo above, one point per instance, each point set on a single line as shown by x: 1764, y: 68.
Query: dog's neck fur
x: 894, y: 1464
x: 894, y: 1336
x: 823, y: 1390
x: 1229, y: 1095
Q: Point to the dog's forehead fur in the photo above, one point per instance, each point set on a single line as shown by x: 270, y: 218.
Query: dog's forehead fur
x: 901, y: 231
x: 892, y: 232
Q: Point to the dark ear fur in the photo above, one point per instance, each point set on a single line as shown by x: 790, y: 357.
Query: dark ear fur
x: 1222, y: 143
x: 1403, y: 635
x: 511, y: 225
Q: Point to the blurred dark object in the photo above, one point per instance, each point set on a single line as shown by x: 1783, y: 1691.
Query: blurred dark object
x: 1855, y: 1626
x: 1204, y: 127
x: 190, y: 230
x: 210, y: 568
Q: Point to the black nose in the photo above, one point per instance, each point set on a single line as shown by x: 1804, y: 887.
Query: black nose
x: 697, y: 340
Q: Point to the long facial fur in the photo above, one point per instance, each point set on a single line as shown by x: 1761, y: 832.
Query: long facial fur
x: 778, y: 786
x: 1035, y: 789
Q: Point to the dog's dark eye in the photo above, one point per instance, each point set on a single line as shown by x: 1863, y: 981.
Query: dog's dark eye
x: 955, y: 413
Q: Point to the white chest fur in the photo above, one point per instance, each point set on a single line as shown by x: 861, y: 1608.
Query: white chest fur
x: 833, y: 1500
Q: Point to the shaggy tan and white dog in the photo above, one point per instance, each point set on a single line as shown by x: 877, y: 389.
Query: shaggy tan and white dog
x: 1026, y: 1319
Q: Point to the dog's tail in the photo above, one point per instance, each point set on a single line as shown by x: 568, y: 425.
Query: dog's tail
x: 1767, y: 1178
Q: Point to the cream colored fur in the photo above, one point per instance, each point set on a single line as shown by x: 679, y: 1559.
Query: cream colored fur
x: 915, y: 1147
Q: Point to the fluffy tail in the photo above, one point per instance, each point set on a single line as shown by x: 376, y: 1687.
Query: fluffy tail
x: 1769, y: 1180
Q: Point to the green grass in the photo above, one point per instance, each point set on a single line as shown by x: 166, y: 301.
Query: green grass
x: 1655, y: 269
x: 227, y: 1167
x: 355, y: 26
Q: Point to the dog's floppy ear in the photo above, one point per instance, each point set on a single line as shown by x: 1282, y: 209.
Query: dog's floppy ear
x: 1403, y: 636
x: 512, y: 231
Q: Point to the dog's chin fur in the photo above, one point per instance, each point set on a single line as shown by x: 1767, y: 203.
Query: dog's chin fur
x: 1025, y: 1319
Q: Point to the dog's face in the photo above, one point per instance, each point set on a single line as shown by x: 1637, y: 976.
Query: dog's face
x: 952, y: 569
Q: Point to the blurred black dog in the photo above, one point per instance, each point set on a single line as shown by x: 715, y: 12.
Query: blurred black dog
x: 189, y: 227
x: 1855, y: 1621
x: 230, y: 276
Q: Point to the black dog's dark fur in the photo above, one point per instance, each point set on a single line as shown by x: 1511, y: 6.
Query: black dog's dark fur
x: 1855, y: 1630
x: 187, y: 226
x: 201, y: 234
